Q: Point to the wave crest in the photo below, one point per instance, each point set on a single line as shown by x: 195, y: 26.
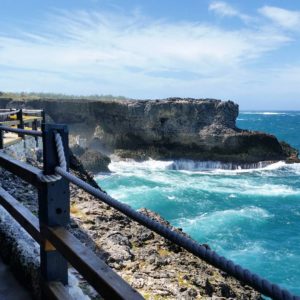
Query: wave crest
x: 191, y: 165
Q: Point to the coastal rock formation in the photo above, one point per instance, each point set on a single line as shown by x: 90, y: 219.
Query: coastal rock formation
x: 199, y: 129
x: 92, y: 160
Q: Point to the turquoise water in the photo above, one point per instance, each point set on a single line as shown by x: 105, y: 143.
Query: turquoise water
x: 250, y: 216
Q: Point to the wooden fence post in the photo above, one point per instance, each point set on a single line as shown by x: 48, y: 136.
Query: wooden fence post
x: 1, y: 139
x: 35, y: 127
x: 54, y: 205
x: 43, y: 115
x: 20, y: 118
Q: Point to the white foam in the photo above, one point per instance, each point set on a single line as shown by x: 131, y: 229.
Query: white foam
x: 154, y: 176
x: 151, y: 164
x: 130, y: 167
x: 271, y: 190
x: 191, y: 165
x: 262, y: 113
x: 294, y: 167
x: 272, y: 113
x: 250, y: 212
x: 280, y: 165
x: 223, y: 219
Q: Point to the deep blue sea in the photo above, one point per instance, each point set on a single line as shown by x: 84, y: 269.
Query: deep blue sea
x: 250, y: 216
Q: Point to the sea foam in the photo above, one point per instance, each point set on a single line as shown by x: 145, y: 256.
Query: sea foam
x: 271, y: 113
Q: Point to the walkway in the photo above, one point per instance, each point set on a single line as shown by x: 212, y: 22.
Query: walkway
x: 10, y: 288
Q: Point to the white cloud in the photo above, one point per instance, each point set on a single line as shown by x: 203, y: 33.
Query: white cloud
x: 223, y: 8
x: 84, y: 42
x: 90, y: 52
x: 283, y: 17
x: 226, y: 10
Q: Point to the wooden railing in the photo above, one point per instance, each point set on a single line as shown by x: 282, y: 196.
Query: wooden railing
x: 22, y: 119
x: 58, y: 246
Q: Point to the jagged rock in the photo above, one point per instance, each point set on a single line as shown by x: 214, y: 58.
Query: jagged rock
x: 79, y: 170
x: 94, y: 161
x: 77, y: 150
x: 199, y: 129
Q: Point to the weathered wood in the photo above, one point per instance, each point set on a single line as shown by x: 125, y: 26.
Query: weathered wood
x: 23, y: 131
x: 21, y: 124
x: 35, y: 127
x: 105, y: 281
x: 49, y: 146
x: 1, y: 139
x: 23, y: 170
x: 54, y: 206
x: 58, y: 246
x: 96, y: 272
x: 27, y: 119
x: 21, y: 214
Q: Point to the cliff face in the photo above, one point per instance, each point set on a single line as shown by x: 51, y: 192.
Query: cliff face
x: 202, y: 129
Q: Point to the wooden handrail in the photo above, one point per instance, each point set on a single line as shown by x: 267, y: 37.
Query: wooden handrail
x: 20, y: 213
x: 57, y: 245
x: 108, y: 283
x: 22, y: 119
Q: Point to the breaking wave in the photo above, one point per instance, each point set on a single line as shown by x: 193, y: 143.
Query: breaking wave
x: 185, y: 164
x: 195, y: 166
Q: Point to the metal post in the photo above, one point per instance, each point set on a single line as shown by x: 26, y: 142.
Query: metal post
x: 54, y: 205
x: 20, y: 118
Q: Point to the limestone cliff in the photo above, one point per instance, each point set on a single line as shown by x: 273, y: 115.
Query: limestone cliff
x: 202, y: 129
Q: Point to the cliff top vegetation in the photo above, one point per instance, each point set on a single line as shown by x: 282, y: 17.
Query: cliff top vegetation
x: 36, y: 96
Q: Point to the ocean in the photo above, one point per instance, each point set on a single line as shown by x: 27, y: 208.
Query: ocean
x: 250, y: 216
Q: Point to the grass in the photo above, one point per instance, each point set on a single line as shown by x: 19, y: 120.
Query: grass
x: 38, y: 96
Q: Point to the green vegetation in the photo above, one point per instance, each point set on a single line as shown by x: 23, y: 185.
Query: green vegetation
x: 36, y: 96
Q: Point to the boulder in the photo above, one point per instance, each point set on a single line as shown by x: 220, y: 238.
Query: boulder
x: 94, y: 161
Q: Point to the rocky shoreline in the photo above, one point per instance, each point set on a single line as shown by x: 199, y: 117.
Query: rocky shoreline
x: 173, y: 128
x: 155, y: 267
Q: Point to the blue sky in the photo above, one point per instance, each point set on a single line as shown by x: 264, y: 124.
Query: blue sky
x: 246, y: 51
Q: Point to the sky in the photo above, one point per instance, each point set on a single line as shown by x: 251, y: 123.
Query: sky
x: 245, y: 51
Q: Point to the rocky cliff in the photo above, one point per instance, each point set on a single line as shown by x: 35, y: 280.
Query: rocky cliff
x: 201, y: 129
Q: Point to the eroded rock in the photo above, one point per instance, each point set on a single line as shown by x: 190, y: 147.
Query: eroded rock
x: 174, y: 128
